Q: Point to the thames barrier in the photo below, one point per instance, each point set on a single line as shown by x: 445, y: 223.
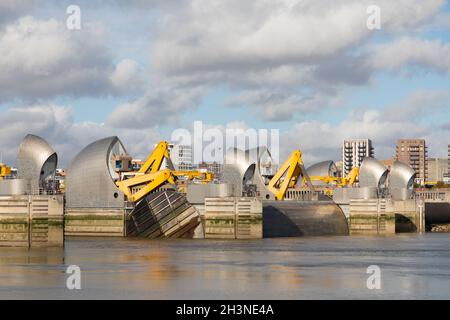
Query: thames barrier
x: 102, y: 195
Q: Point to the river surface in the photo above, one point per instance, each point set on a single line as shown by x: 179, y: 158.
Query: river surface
x: 412, y: 266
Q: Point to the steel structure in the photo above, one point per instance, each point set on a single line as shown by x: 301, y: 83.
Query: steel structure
x: 36, y: 163
x: 372, y: 174
x: 289, y: 175
x: 401, y: 181
x: 239, y: 169
x: 325, y: 169
x: 287, y: 217
x: 90, y: 180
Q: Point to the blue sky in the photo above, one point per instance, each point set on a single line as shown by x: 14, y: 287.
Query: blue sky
x: 142, y: 69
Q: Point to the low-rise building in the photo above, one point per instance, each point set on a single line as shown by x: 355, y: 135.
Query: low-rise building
x: 437, y: 169
x: 214, y: 167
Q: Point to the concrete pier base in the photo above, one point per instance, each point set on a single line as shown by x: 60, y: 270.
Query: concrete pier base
x: 31, y: 221
x: 93, y: 222
x: 385, y: 217
x: 233, y: 218
x: 369, y: 217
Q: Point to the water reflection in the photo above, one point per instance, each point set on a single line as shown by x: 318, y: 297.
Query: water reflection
x: 412, y: 267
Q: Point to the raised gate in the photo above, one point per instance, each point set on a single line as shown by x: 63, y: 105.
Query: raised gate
x: 163, y: 215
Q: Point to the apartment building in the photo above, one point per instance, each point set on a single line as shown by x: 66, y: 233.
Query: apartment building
x: 353, y: 152
x: 414, y: 153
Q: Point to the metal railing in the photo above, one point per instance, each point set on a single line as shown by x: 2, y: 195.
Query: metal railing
x: 433, y: 195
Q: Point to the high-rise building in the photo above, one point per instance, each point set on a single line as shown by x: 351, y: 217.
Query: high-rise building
x: 414, y: 153
x: 353, y: 152
x: 182, y: 157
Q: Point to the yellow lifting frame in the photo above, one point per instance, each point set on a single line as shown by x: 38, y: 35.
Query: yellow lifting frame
x: 149, y: 182
x: 156, y: 158
x: 349, y: 180
x: 287, y: 176
x: 150, y: 176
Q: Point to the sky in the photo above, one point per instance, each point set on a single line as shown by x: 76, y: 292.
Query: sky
x: 142, y: 69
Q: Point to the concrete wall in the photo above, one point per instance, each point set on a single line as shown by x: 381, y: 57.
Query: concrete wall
x: 233, y: 218
x: 31, y: 221
x: 92, y: 222
x: 384, y: 217
x: 369, y: 217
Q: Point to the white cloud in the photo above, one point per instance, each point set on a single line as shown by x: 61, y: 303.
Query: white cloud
x: 322, y: 141
x: 56, y: 125
x: 280, y: 106
x: 304, y: 51
x: 159, y: 106
x: 414, y: 52
x: 127, y: 77
x: 419, y: 106
x: 218, y: 35
x: 43, y: 59
x: 283, y: 59
x: 318, y: 140
x: 11, y: 9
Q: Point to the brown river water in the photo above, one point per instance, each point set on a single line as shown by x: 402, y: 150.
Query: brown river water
x: 412, y: 266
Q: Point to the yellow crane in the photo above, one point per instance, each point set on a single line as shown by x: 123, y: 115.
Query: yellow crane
x: 137, y: 184
x: 156, y: 158
x: 4, y: 171
x: 161, y: 153
x: 288, y: 176
x: 190, y: 175
x: 349, y: 180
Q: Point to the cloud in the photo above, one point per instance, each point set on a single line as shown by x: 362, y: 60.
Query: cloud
x: 50, y: 121
x: 281, y: 59
x: 231, y: 35
x: 215, y: 35
x: 430, y: 54
x: 12, y: 9
x: 127, y: 77
x: 159, y: 106
x: 419, y: 105
x: 322, y: 141
x: 56, y: 125
x: 281, y: 106
x: 284, y: 55
x: 43, y: 59
x: 318, y: 140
